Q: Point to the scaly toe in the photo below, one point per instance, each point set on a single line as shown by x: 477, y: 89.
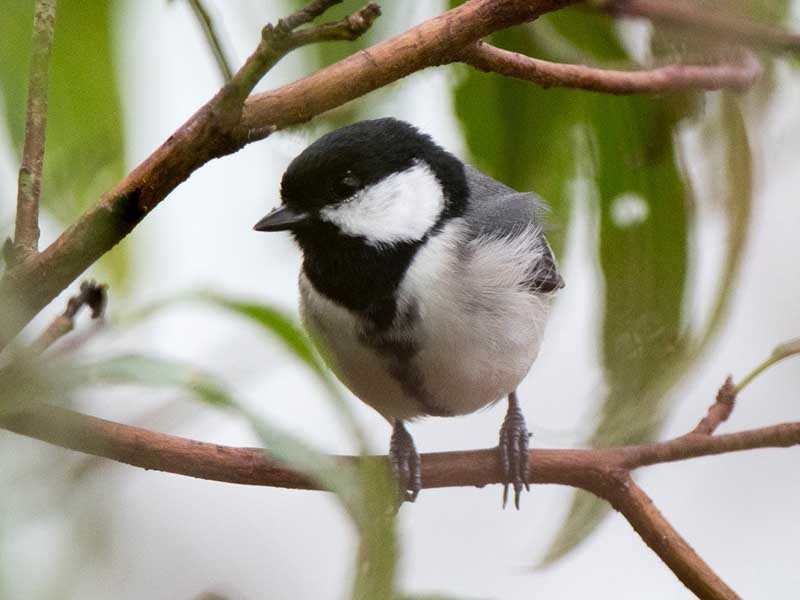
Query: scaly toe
x: 513, y: 448
x: 406, y: 464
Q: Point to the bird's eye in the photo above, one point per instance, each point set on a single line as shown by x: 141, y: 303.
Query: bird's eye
x: 349, y: 183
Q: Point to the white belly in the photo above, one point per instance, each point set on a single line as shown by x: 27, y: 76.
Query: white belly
x: 477, y: 330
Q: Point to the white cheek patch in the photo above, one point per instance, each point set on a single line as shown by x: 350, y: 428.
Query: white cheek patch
x: 402, y: 207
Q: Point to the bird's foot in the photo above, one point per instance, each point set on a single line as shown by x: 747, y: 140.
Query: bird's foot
x: 405, y: 462
x: 514, y: 451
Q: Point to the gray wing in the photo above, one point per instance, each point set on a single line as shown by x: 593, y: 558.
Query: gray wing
x: 498, y: 210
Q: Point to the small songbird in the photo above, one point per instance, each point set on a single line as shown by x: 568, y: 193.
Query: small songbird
x: 425, y: 284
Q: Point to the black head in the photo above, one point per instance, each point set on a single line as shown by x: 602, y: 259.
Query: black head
x: 360, y: 201
x: 351, y: 163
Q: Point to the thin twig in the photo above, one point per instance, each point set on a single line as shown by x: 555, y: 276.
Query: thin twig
x: 92, y: 295
x: 212, y: 38
x: 26, y: 234
x: 278, y: 40
x: 720, y: 410
x: 692, y: 15
x: 737, y: 75
x: 309, y: 12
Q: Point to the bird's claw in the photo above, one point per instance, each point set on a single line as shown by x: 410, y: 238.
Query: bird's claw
x: 406, y: 464
x: 514, y: 453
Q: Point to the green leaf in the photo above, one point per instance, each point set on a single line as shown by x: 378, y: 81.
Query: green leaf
x: 272, y: 320
x: 539, y: 139
x: 136, y: 369
x: 644, y: 214
x: 520, y: 134
x: 647, y: 348
x: 84, y: 143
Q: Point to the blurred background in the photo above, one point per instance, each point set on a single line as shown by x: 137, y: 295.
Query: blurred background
x: 675, y: 221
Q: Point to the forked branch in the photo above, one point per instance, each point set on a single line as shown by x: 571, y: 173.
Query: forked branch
x: 605, y: 472
x: 232, y: 120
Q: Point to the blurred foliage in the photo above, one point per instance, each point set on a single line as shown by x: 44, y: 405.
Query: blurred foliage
x: 24, y: 380
x: 625, y: 146
x: 366, y: 492
x: 85, y: 136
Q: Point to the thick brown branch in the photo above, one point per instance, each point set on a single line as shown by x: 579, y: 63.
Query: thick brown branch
x: 26, y: 233
x: 603, y: 472
x: 738, y: 75
x: 592, y: 470
x: 253, y: 466
x: 692, y: 15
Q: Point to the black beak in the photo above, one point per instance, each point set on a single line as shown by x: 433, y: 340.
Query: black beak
x: 281, y: 219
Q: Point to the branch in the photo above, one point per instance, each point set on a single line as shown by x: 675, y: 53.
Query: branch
x: 603, y: 472
x: 212, y: 38
x: 692, y: 15
x: 658, y: 533
x: 92, y: 295
x: 737, y: 75
x: 276, y: 42
x: 26, y: 234
x: 228, y: 122
x: 593, y: 470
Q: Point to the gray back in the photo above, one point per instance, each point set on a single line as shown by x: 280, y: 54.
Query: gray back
x: 496, y: 210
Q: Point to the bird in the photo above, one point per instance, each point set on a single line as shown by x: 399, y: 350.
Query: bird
x: 425, y: 284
